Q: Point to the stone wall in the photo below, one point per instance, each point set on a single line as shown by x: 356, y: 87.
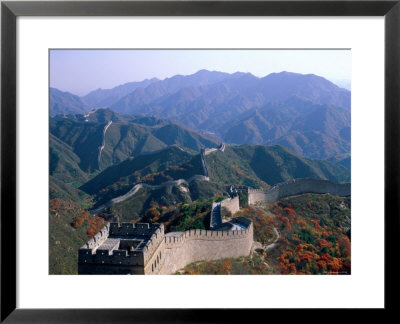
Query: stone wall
x: 297, y: 187
x: 231, y: 204
x: 139, y: 186
x: 209, y: 150
x: 215, y: 217
x: 181, y: 249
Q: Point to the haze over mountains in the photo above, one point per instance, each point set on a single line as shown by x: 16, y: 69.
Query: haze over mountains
x: 66, y: 103
x: 306, y: 113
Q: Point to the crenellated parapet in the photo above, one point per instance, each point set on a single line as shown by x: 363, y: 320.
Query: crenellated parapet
x: 138, y: 229
x: 115, y: 257
x: 178, y: 238
x: 121, y: 248
x: 98, y: 239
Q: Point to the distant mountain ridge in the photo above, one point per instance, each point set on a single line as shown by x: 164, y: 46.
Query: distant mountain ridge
x: 102, y: 98
x: 204, y: 106
x: 66, y: 103
x: 312, y: 130
x: 239, y: 108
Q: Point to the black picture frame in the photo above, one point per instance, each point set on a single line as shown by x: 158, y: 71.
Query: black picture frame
x: 10, y: 10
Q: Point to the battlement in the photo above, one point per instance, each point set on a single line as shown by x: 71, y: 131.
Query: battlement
x: 138, y: 229
x: 98, y: 239
x: 179, y: 238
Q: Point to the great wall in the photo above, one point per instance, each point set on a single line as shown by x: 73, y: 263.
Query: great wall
x: 101, y: 148
x: 139, y: 186
x: 178, y: 182
x: 145, y: 248
x: 297, y: 187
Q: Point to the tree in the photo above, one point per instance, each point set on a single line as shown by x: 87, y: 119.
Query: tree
x: 197, y: 224
x: 153, y: 214
x: 226, y: 266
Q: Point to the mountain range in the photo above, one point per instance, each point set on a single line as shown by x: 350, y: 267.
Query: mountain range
x: 85, y: 144
x: 66, y: 103
x: 309, y: 129
x: 304, y: 112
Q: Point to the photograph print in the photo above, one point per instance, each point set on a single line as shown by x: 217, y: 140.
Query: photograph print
x: 199, y: 162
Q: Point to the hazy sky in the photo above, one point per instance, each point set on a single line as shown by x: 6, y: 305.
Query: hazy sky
x: 81, y: 71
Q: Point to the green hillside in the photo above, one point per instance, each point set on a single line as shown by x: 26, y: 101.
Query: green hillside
x: 228, y: 168
x: 84, y: 139
x: 59, y: 189
x: 257, y: 166
x: 124, y: 137
x: 149, y: 168
x: 134, y: 208
x: 64, y: 239
x: 64, y: 163
x: 137, y: 167
x: 177, y: 134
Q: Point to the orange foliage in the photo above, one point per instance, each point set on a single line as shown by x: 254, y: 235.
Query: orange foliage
x: 78, y: 221
x: 226, y: 266
x: 292, y: 268
x: 290, y: 212
x: 322, y: 243
x: 335, y: 265
x: 301, y: 223
x: 326, y: 257
x: 321, y: 264
x: 95, y: 225
x: 91, y: 232
x: 345, y: 246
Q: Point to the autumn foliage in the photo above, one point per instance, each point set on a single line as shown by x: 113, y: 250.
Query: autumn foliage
x: 314, y: 234
x: 311, y: 243
x: 95, y: 225
x: 78, y: 221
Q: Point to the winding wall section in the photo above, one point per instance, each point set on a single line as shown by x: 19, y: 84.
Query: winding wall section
x: 139, y: 186
x: 297, y: 187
